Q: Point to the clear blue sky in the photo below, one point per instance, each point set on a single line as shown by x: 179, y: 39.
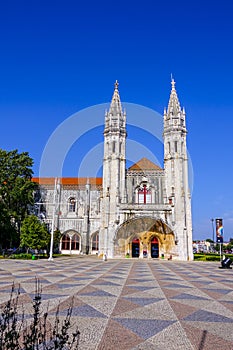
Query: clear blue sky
x: 58, y: 57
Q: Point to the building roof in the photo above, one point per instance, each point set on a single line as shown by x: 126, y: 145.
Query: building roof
x: 141, y: 165
x: 144, y: 164
x: 68, y: 180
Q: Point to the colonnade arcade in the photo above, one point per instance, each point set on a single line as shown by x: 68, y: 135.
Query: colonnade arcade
x: 71, y: 242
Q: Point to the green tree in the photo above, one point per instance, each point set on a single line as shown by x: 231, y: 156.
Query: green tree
x: 230, y: 245
x: 217, y: 247
x: 16, y: 194
x: 56, y: 240
x: 34, y: 234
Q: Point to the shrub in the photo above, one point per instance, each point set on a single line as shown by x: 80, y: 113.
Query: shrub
x: 24, y: 256
x: 15, y: 334
x: 213, y: 258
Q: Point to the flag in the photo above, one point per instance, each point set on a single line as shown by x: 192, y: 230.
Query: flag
x: 219, y: 230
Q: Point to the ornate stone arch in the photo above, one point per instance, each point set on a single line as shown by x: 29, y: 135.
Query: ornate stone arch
x: 141, y: 224
x: 144, y: 228
x: 73, y: 238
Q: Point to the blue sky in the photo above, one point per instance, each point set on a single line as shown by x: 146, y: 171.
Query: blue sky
x: 58, y: 57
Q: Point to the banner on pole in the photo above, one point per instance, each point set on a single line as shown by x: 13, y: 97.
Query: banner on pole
x: 219, y: 230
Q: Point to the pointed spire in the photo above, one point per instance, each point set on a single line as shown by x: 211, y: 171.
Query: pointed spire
x: 115, y: 118
x: 174, y: 116
x: 115, y: 107
x: 174, y: 104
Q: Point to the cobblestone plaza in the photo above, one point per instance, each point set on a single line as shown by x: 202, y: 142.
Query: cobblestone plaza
x: 130, y: 303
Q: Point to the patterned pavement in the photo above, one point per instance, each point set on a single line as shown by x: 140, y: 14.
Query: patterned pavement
x: 131, y: 304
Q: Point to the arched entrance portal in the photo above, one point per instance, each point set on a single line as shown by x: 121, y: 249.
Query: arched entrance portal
x: 135, y: 248
x: 144, y: 237
x: 154, y: 248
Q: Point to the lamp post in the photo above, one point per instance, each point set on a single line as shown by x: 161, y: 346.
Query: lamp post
x: 53, y: 220
x: 52, y: 236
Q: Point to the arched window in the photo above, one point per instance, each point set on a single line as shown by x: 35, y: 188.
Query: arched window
x: 113, y: 146
x: 95, y: 241
x: 65, y: 243
x: 75, y: 242
x: 72, y: 204
x: 169, y: 147
x: 144, y: 195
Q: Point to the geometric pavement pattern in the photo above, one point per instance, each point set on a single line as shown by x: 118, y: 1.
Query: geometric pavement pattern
x: 131, y: 304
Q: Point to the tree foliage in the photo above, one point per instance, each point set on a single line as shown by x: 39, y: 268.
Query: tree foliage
x: 16, y: 193
x: 56, y: 240
x: 34, y: 234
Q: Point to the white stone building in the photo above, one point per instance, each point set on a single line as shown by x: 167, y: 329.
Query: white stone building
x: 142, y: 212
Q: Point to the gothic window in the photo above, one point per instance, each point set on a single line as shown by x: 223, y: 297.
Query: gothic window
x: 65, y: 243
x: 169, y: 147
x: 144, y: 195
x: 75, y: 242
x: 72, y: 204
x: 176, y: 146
x: 95, y: 241
x: 113, y: 146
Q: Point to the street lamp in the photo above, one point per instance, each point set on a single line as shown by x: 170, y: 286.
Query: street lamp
x: 53, y: 219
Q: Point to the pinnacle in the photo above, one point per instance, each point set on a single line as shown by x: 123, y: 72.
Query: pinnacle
x: 115, y: 107
x: 174, y: 104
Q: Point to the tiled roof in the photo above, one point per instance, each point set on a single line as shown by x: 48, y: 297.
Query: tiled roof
x: 144, y: 164
x: 69, y: 180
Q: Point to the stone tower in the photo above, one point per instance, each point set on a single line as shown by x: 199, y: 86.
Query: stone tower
x: 176, y: 174
x: 141, y: 212
x: 114, y: 163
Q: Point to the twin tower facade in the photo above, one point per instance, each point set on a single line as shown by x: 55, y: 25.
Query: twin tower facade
x: 140, y: 212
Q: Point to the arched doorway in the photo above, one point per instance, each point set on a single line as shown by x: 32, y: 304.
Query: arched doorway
x: 144, y: 234
x: 135, y: 248
x: 154, y: 248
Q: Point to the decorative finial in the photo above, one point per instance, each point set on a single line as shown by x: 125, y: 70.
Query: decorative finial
x: 173, y: 82
x: 116, y: 85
